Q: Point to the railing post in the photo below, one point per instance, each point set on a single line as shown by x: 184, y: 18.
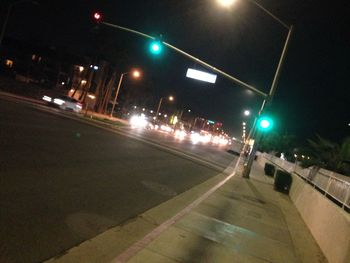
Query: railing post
x: 328, y: 185
x: 346, y: 197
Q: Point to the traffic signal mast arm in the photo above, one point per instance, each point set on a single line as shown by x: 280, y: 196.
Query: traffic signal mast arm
x: 199, y: 61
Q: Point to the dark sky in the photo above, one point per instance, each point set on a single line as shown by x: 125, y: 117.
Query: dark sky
x: 313, y: 93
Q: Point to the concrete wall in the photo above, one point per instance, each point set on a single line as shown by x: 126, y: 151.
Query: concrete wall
x: 328, y: 223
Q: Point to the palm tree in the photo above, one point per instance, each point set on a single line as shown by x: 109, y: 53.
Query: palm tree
x: 329, y: 155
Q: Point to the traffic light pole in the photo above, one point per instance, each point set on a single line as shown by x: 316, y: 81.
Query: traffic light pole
x: 197, y: 60
x: 267, y: 97
x: 267, y: 103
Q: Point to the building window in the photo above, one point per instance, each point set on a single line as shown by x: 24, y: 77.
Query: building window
x: 9, y: 63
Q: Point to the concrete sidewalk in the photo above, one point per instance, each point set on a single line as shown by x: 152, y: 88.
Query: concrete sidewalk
x: 242, y: 221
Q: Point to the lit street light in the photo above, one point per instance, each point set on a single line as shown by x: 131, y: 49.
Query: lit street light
x: 170, y: 98
x: 226, y: 3
x: 136, y: 74
x: 9, y: 9
x: 246, y: 113
x: 268, y: 100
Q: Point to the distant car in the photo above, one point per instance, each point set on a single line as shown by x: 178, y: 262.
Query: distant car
x: 64, y: 102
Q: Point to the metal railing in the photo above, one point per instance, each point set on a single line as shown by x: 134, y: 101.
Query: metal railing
x: 335, y: 186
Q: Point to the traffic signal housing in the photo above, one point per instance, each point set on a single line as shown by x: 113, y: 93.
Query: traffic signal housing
x: 97, y: 16
x: 265, y: 123
x: 156, y: 47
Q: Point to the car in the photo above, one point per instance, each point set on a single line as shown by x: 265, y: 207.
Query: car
x: 64, y: 102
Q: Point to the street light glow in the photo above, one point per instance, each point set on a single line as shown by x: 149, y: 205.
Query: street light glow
x: 136, y: 74
x: 246, y: 112
x: 171, y: 98
x: 226, y: 3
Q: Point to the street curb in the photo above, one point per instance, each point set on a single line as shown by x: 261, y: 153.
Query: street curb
x: 15, y: 96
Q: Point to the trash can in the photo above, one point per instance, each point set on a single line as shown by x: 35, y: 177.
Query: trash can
x: 269, y: 169
x: 283, y: 181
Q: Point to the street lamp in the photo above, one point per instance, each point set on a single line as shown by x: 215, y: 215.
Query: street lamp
x: 9, y: 9
x: 246, y: 112
x: 226, y: 3
x: 135, y: 73
x: 268, y: 100
x: 170, y: 98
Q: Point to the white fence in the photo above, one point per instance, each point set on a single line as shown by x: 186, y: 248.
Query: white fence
x: 331, y: 184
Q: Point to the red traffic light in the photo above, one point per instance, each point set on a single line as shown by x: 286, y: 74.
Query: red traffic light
x: 97, y: 16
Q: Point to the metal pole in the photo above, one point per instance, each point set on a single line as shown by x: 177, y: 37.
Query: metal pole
x: 279, y: 67
x: 160, y: 103
x: 267, y: 103
x: 194, y: 123
x: 117, y: 92
x: 199, y: 61
x: 270, y: 14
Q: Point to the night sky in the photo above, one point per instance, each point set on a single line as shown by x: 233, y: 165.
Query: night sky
x: 313, y: 93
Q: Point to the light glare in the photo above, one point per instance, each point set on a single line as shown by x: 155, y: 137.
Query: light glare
x: 138, y: 121
x: 47, y: 98
x: 265, y: 124
x: 226, y: 3
x: 58, y: 101
x: 136, y: 74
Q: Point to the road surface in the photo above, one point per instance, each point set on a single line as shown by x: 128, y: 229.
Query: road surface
x: 63, y: 182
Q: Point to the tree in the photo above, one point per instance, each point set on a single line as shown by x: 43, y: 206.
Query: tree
x: 329, y: 155
x: 274, y: 142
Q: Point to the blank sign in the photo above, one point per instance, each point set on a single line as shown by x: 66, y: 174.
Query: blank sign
x: 201, y: 75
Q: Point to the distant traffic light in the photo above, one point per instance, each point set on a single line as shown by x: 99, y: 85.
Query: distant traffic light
x: 265, y: 123
x: 156, y: 47
x: 97, y: 17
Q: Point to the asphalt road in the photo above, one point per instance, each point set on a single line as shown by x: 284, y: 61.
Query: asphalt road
x: 63, y: 182
x: 212, y: 153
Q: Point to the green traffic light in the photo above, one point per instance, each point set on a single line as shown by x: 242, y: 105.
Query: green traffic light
x: 265, y: 123
x: 156, y: 47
